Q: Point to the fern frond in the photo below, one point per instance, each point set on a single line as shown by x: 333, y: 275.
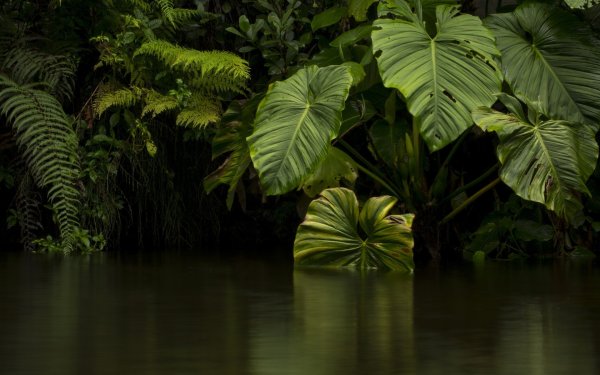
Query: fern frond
x: 216, y: 83
x: 225, y: 68
x: 156, y: 103
x: 166, y: 9
x: 200, y: 112
x: 26, y: 65
x: 49, y: 146
x: 181, y: 16
x: 176, y: 17
x: 140, y: 4
x: 28, y: 202
x: 108, y: 98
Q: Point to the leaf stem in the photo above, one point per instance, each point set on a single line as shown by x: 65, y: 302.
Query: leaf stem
x: 470, y: 200
x: 370, y: 169
x: 476, y: 181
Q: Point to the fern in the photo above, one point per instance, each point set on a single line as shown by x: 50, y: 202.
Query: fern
x: 182, y: 16
x: 166, y: 9
x: 140, y: 4
x: 199, y: 112
x: 27, y: 202
x: 156, y: 103
x: 215, y: 83
x: 108, y: 98
x: 49, y: 146
x: 214, y: 70
x: 27, y: 65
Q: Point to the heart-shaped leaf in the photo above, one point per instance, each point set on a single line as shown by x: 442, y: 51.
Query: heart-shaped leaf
x: 295, y: 123
x: 443, y: 77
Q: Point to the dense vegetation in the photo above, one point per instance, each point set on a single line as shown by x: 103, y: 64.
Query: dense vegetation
x: 476, y: 129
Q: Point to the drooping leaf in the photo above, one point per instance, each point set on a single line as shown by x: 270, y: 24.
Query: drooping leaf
x: 295, y: 124
x: 337, y: 167
x: 443, y: 77
x: 549, y: 62
x: 329, y: 235
x: 230, y: 139
x: 547, y: 161
x: 48, y: 144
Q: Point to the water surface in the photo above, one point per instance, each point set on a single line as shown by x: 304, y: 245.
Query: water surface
x: 182, y: 314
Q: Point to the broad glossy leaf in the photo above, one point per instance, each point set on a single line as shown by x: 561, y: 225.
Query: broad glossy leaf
x: 546, y: 162
x: 549, y: 62
x: 335, y: 168
x: 329, y: 235
x: 443, y: 77
x: 295, y: 124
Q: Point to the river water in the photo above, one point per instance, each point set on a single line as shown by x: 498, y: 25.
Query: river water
x: 184, y: 314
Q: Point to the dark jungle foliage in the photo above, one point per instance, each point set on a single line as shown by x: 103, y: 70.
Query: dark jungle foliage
x: 118, y: 117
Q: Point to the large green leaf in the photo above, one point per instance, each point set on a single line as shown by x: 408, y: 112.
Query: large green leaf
x: 329, y: 235
x: 295, y: 124
x: 546, y: 161
x: 443, y: 77
x: 549, y: 62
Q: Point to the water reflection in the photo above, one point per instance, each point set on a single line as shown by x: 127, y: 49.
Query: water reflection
x: 187, y: 315
x: 339, y: 321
